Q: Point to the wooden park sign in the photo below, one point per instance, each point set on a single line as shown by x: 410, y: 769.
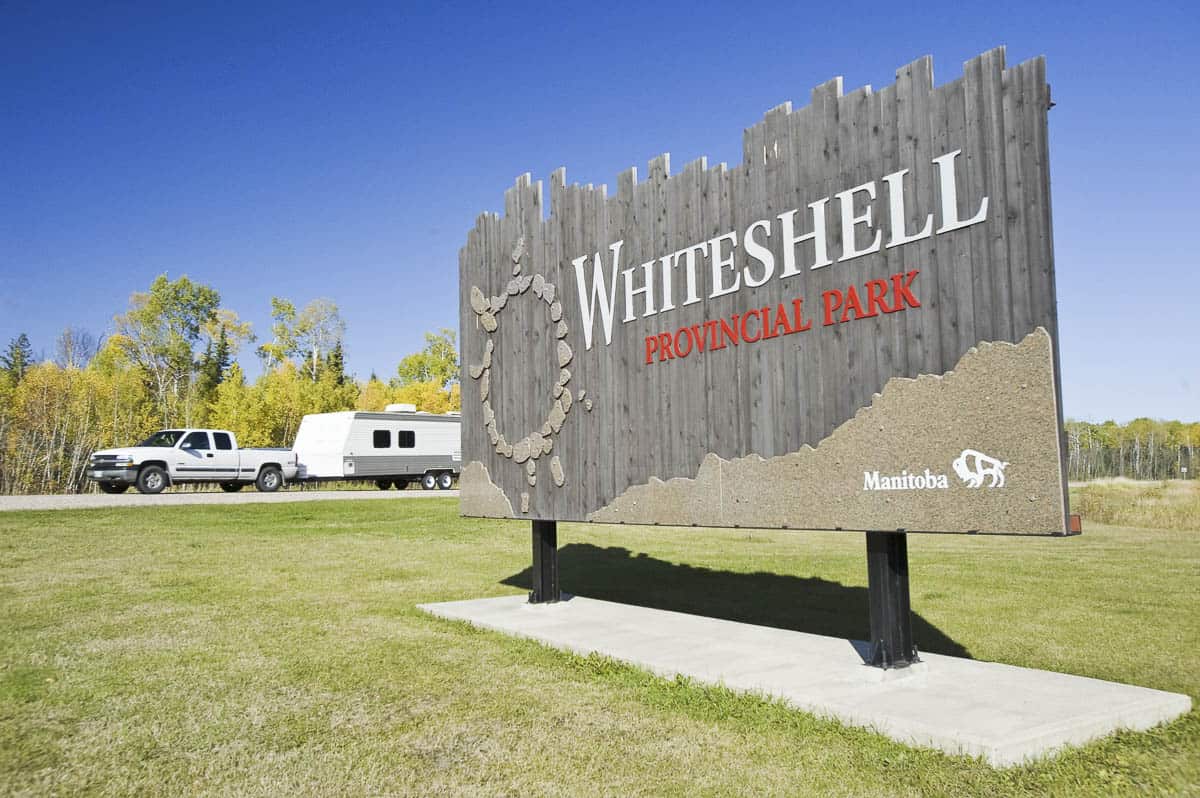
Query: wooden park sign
x: 854, y: 328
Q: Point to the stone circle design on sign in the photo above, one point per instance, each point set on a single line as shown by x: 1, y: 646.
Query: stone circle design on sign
x: 540, y: 442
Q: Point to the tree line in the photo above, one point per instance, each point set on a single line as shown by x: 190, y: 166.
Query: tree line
x: 171, y: 359
x: 1142, y: 449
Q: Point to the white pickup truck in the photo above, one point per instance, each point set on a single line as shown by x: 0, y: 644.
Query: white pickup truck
x: 174, y: 456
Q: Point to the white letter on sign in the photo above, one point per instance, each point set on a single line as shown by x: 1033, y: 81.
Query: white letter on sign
x: 895, y: 188
x: 647, y: 290
x: 606, y: 295
x: 950, y: 220
x: 758, y: 252
x: 849, y: 221
x: 720, y: 263
x: 790, y: 239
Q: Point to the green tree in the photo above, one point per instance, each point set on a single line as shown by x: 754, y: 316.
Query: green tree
x: 436, y: 363
x: 18, y: 357
x: 159, y: 334
x: 237, y: 408
x: 214, y: 363
x: 319, y: 329
x: 283, y: 340
x: 335, y: 364
x: 306, y: 337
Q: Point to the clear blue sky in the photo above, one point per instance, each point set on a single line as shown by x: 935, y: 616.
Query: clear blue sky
x: 344, y: 150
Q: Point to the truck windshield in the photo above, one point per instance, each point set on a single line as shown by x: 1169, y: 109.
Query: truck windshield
x: 166, y: 438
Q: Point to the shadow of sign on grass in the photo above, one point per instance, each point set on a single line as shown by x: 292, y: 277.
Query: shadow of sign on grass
x: 801, y: 604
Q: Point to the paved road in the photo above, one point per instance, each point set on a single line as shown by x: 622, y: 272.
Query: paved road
x: 172, y: 499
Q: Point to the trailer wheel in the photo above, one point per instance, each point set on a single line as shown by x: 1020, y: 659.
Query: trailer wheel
x: 269, y: 480
x: 429, y: 481
x: 400, y: 484
x: 445, y: 480
x: 383, y: 484
x: 151, y: 480
x: 113, y: 487
x: 232, y: 487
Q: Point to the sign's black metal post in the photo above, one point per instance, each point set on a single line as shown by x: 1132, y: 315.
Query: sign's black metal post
x: 887, y: 593
x: 545, y: 563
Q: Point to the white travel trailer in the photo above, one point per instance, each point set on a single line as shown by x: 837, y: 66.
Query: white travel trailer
x: 394, y: 447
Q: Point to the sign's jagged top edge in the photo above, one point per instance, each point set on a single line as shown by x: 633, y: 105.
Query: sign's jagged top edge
x: 921, y: 69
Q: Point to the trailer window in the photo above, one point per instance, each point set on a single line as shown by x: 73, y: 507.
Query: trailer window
x: 383, y: 439
x: 222, y: 441
x: 406, y: 439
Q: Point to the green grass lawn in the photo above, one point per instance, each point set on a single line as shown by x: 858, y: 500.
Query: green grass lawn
x: 276, y: 649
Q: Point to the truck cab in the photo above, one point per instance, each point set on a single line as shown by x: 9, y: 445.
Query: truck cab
x: 176, y: 456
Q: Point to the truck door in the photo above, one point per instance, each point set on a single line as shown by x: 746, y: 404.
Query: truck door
x: 225, y: 458
x: 193, y: 458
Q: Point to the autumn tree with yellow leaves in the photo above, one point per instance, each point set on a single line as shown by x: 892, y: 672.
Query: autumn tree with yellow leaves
x: 171, y: 360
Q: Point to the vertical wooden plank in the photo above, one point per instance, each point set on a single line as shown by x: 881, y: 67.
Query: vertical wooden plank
x: 591, y: 454
x: 506, y: 365
x: 787, y: 196
x: 714, y: 412
x: 778, y: 401
x: 881, y: 332
x: 1018, y: 243
x: 895, y: 323
x: 693, y: 441
x: 976, y: 137
x: 728, y: 400
x: 601, y: 238
x: 804, y: 380
x: 628, y: 395
x: 857, y: 358
x: 641, y: 246
x: 913, y: 86
x: 750, y: 357
x: 961, y: 265
x: 832, y: 340
x: 994, y: 151
x: 663, y: 222
x: 829, y: 346
x: 763, y: 170
x: 1034, y: 178
x: 552, y: 269
x: 674, y: 373
x: 945, y: 264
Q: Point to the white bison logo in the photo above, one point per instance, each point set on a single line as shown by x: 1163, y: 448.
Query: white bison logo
x: 972, y: 466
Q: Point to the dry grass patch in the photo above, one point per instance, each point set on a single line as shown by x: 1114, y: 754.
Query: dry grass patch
x: 1171, y: 504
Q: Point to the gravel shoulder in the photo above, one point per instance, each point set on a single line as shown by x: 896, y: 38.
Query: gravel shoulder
x: 133, y: 499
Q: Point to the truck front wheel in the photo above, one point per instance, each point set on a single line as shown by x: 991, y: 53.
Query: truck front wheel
x: 151, y: 480
x: 269, y: 480
x: 113, y: 487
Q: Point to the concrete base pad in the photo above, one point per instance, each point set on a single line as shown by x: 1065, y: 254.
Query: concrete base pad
x: 1005, y: 714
